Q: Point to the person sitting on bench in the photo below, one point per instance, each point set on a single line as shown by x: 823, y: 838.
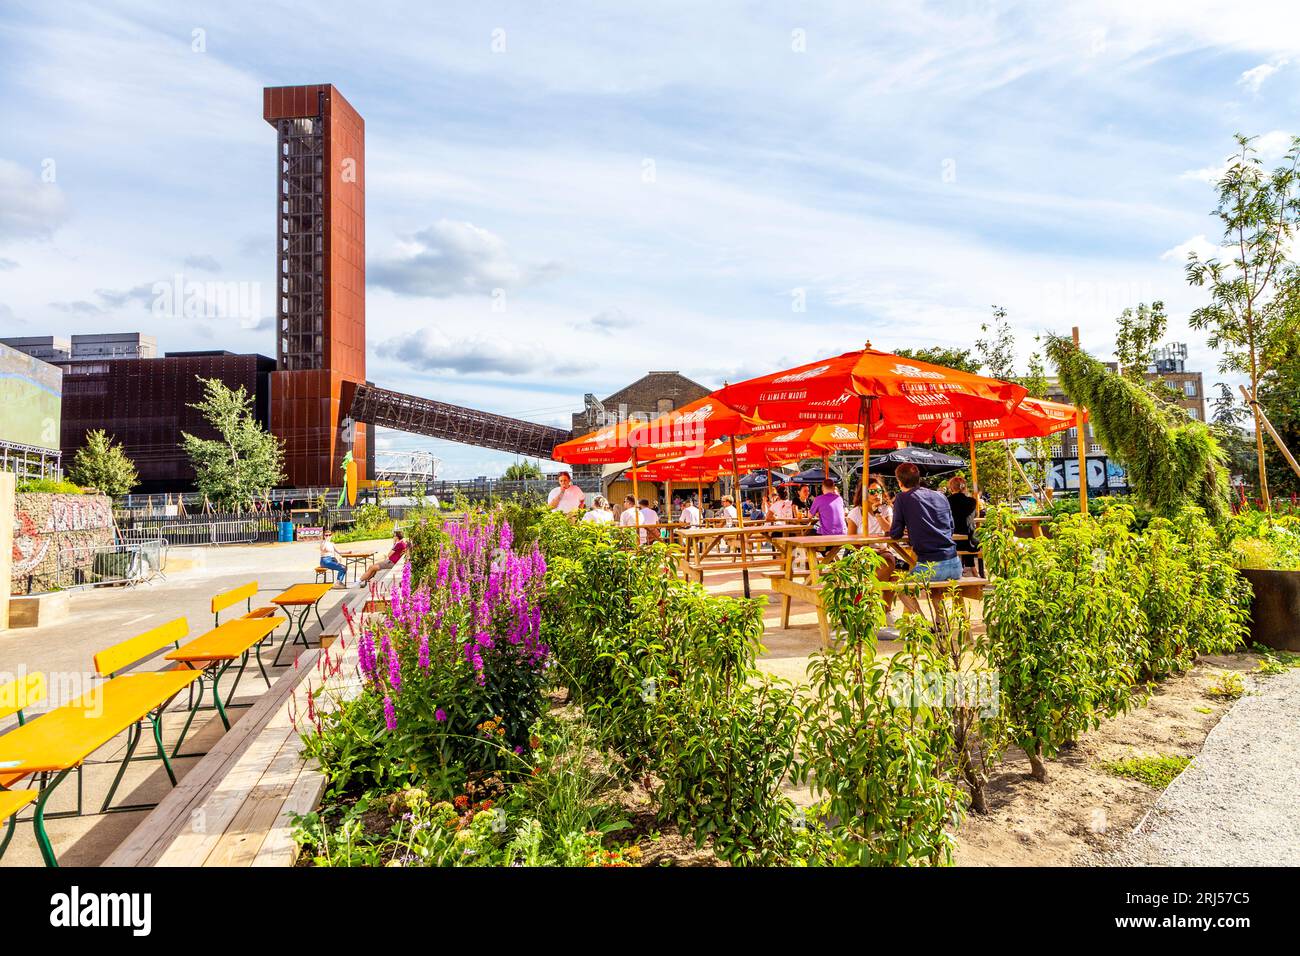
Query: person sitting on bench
x: 395, y: 555
x: 329, y: 558
x: 926, y: 518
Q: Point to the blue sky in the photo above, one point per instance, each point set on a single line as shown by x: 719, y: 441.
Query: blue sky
x: 651, y: 186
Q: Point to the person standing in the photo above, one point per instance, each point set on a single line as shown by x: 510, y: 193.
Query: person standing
x: 926, y: 518
x: 828, y: 509
x: 566, y: 497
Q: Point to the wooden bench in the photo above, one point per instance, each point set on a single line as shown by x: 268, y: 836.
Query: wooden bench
x: 243, y: 593
x: 967, y: 588
x: 324, y: 574
x: 237, y: 805
x: 60, y: 741
x: 11, y: 802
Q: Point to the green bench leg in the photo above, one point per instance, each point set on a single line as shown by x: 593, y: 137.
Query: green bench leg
x: 38, y: 822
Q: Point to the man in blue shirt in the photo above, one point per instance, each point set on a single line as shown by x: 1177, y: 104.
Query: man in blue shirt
x: 926, y: 517
x: 828, y: 509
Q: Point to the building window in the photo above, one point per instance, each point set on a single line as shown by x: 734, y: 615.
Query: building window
x: 1194, y: 413
x: 663, y: 405
x: 1189, y: 388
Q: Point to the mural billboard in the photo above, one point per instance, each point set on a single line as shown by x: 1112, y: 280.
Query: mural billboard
x: 31, y: 400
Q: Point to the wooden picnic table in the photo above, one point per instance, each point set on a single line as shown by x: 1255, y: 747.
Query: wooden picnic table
x: 700, y: 546
x: 1031, y: 524
x: 821, y: 550
x: 216, y: 652
x: 306, y: 597
x: 352, y: 560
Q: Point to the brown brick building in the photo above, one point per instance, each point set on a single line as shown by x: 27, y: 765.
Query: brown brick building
x: 651, y: 395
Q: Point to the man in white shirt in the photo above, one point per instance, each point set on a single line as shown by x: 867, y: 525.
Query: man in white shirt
x: 690, y: 514
x: 632, y: 516
x: 566, y: 498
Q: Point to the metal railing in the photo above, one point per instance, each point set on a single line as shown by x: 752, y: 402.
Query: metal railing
x: 199, y: 533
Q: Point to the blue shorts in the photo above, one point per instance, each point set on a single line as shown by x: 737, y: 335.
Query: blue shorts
x: 946, y: 570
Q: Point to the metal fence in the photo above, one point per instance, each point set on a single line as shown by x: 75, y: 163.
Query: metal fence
x: 82, y: 566
x: 199, y: 532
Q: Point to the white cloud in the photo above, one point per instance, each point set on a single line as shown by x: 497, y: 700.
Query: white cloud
x: 453, y: 258
x: 1198, y: 244
x: 29, y: 208
x: 433, y: 350
x: 1251, y: 80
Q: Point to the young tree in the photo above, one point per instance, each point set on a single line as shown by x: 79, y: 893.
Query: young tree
x: 101, y: 464
x: 246, y: 462
x: 1254, y: 296
x: 522, y: 470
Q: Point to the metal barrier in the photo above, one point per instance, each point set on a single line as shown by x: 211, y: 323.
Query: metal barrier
x: 85, y: 566
x: 202, y: 533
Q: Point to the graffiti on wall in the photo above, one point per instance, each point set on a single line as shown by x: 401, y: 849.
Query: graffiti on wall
x: 53, y: 532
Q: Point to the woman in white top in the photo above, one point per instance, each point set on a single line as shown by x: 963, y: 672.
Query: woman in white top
x: 600, y: 512
x: 879, y: 517
x: 782, y: 509
x: 329, y: 558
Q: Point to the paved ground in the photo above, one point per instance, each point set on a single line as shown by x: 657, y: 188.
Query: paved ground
x: 1235, y: 805
x: 102, y: 617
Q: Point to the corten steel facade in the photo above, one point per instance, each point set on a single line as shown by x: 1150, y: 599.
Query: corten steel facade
x: 145, y: 404
x: 321, y: 277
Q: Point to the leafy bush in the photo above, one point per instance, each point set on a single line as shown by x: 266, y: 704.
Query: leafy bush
x: 1075, y: 620
x: 453, y: 674
x: 877, y: 751
x: 1265, y: 542
x: 666, y: 675
x: 49, y: 486
x: 1062, y: 629
x: 368, y: 522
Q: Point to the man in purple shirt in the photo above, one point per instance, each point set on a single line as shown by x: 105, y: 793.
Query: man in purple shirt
x: 828, y: 509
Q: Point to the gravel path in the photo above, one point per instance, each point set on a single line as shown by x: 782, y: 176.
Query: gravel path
x: 1238, y: 803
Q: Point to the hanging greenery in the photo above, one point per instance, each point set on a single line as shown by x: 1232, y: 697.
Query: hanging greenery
x: 1172, y: 461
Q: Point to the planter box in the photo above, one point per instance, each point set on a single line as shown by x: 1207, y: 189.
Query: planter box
x: 39, y: 610
x: 1275, y: 609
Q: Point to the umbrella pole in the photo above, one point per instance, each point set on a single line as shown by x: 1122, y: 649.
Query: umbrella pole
x: 636, y: 494
x: 974, y: 475
x: 699, y: 490
x: 866, y: 448
x: 668, y: 500
x: 740, y: 516
x: 1081, y: 447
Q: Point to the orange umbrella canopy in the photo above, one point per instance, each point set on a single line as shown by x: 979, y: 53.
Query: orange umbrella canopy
x: 684, y: 431
x: 901, y: 390
x: 1032, y: 418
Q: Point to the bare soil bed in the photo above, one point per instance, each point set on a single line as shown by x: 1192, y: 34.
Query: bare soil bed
x: 1082, y: 812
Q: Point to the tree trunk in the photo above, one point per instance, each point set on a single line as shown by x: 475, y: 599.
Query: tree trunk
x: 1037, y: 769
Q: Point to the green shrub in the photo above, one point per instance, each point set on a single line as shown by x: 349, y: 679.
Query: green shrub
x: 1061, y: 628
x: 49, y: 486
x: 878, y: 753
x: 1156, y: 771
